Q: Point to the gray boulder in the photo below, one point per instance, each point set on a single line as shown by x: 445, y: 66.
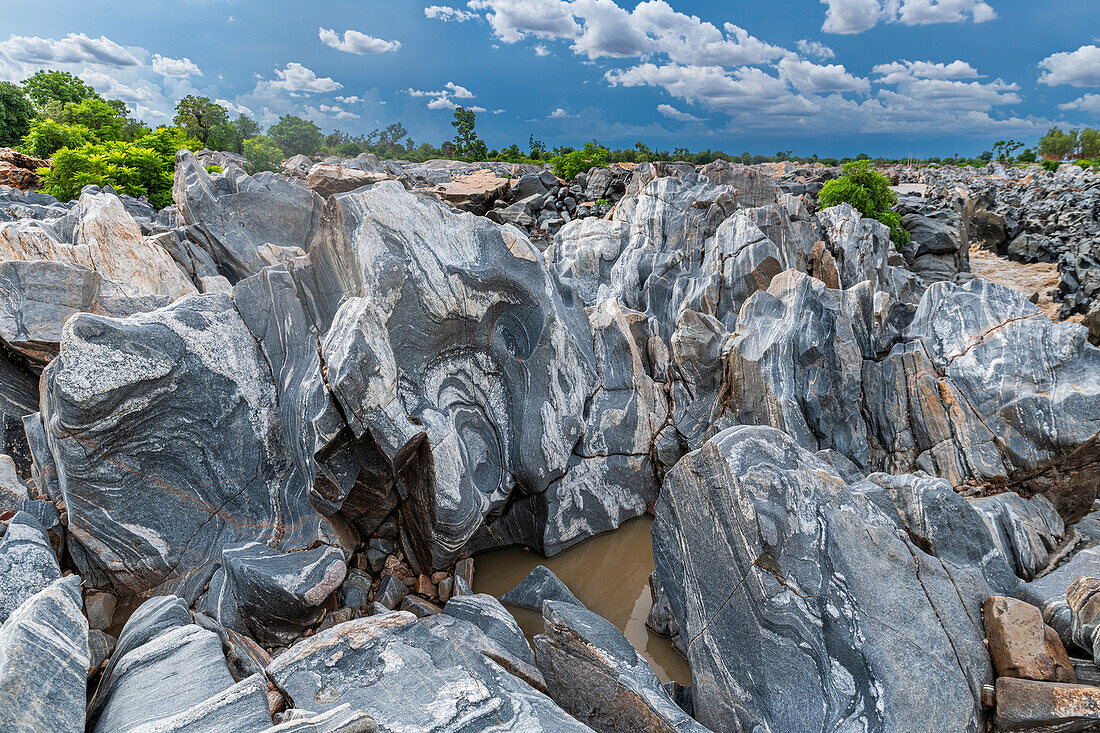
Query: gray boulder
x: 443, y: 686
x: 27, y: 563
x: 44, y: 662
x: 539, y: 586
x: 594, y: 673
x: 487, y: 614
x: 12, y: 488
x: 790, y: 588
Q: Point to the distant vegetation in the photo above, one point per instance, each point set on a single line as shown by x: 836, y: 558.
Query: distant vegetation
x: 868, y: 191
x: 55, y: 114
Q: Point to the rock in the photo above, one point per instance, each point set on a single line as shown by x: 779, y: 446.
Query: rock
x: 12, y: 488
x: 539, y: 586
x: 439, y: 438
x: 355, y: 592
x: 475, y: 192
x: 44, y: 662
x: 18, y: 399
x: 100, y: 235
x: 1049, y: 591
x: 788, y: 589
x: 158, y: 515
x: 1045, y: 707
x: 1021, y: 644
x: 269, y: 595
x: 753, y: 187
x: 265, y: 209
x: 19, y: 171
x: 100, y: 647
x: 99, y: 607
x: 27, y: 563
x: 594, y: 673
x: 464, y: 569
x: 327, y: 180
x: 487, y: 614
x: 243, y: 656
x: 1083, y: 599
x: 390, y: 591
x: 1025, y: 530
x: 858, y: 245
x: 142, y: 684
x: 341, y: 719
x: 444, y: 686
x: 419, y: 607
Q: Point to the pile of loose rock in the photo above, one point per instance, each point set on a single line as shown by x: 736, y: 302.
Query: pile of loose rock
x: 280, y: 424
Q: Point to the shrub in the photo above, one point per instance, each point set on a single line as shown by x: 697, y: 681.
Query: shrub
x: 1051, y: 165
x: 46, y: 137
x: 213, y: 169
x: 104, y: 121
x: 262, y: 154
x: 868, y: 191
x: 567, y: 166
x: 16, y: 113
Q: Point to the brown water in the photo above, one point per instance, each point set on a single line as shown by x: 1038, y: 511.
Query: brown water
x: 1035, y: 277
x: 609, y: 574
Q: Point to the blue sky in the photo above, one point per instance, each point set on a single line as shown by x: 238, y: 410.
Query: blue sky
x: 835, y: 77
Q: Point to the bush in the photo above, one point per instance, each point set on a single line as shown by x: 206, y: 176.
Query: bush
x: 868, y: 191
x: 567, y: 166
x: 213, y: 169
x: 46, y: 137
x: 104, y: 121
x: 16, y: 113
x: 1051, y: 165
x: 262, y: 154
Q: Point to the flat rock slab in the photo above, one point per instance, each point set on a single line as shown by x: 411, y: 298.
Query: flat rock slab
x: 1045, y: 707
x: 44, y: 662
x: 1021, y: 644
x: 406, y: 677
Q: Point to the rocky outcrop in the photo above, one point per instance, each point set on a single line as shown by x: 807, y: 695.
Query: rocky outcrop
x: 19, y: 171
x: 475, y: 192
x: 783, y: 581
x: 27, y: 563
x: 326, y: 179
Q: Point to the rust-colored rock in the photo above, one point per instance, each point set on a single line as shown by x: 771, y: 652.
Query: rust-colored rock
x: 328, y: 179
x: 465, y: 569
x: 824, y: 266
x: 474, y: 192
x: 424, y: 586
x: 21, y: 178
x: 1045, y: 706
x: 1022, y: 646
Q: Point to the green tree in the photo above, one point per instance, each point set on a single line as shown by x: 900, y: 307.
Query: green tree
x: 262, y: 154
x: 464, y: 123
x: 1003, y: 149
x: 1058, y: 144
x: 200, y: 117
x: 568, y: 165
x: 243, y: 128
x: 295, y: 136
x: 97, y: 115
x: 46, y: 137
x: 1089, y: 141
x: 16, y: 113
x: 868, y: 191
x: 1027, y: 156
x: 60, y: 86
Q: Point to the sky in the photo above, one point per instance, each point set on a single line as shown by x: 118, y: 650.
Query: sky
x: 832, y: 77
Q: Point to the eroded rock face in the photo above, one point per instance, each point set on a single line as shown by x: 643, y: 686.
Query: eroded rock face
x: 443, y: 685
x: 784, y: 582
x: 155, y: 514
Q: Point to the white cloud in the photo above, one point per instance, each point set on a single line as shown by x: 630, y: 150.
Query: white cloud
x: 856, y: 16
x: 559, y: 114
x: 815, y: 48
x: 336, y: 112
x: 444, y: 98
x: 75, y: 48
x: 235, y: 108
x: 1080, y: 68
x: 178, y: 68
x: 1089, y: 103
x: 513, y: 20
x: 672, y: 113
x: 458, y: 92
x: 807, y: 76
x: 447, y: 13
x: 112, y: 88
x: 541, y: 50
x: 349, y: 100
x: 897, y: 71
x: 356, y: 42
x: 742, y: 90
x: 297, y: 78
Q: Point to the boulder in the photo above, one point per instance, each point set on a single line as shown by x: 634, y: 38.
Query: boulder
x: 326, y: 180
x: 1049, y: 591
x: 1045, y: 707
x: 27, y: 563
x: 594, y: 673
x: 44, y: 662
x: 442, y: 684
x: 539, y: 586
x: 12, y: 488
x: 476, y: 192
x: 487, y: 614
x: 1083, y: 599
x: 789, y: 588
x: 19, y: 171
x: 148, y: 514
x: 1021, y: 644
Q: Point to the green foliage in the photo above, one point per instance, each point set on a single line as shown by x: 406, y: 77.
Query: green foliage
x: 16, y: 113
x: 57, y: 86
x: 569, y: 164
x: 243, y: 128
x: 868, y: 191
x: 603, y: 202
x: 129, y: 168
x: 200, y: 117
x: 213, y: 169
x: 1003, y: 149
x: 1028, y: 156
x: 1089, y: 143
x: 262, y: 154
x: 1050, y: 165
x: 1058, y: 144
x: 97, y: 115
x: 46, y: 137
x: 467, y: 143
x: 295, y: 136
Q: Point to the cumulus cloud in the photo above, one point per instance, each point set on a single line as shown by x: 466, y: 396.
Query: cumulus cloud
x: 356, y: 42
x: 235, y: 108
x: 297, y: 78
x: 349, y: 100
x: 513, y: 20
x: 1089, y: 103
x: 178, y: 68
x: 897, y: 71
x: 667, y: 110
x: 741, y: 90
x: 807, y: 76
x: 1080, y: 68
x: 559, y: 114
x: 337, y: 112
x: 75, y: 48
x: 815, y: 48
x: 856, y: 16
x: 112, y: 88
x: 444, y: 98
x: 541, y: 50
x: 447, y: 13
